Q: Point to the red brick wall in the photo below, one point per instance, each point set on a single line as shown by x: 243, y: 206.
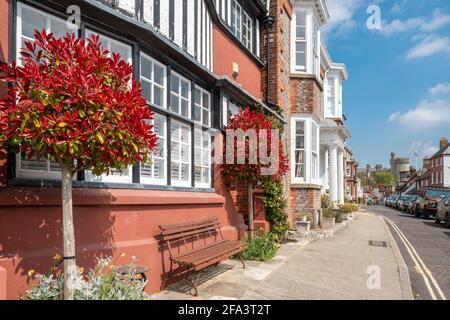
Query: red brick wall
x: 225, y: 53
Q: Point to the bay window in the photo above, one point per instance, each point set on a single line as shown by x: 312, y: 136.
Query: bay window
x: 305, y: 50
x: 242, y: 25
x: 304, y: 150
x: 331, y: 97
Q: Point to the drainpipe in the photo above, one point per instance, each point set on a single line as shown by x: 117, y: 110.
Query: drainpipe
x: 268, y: 22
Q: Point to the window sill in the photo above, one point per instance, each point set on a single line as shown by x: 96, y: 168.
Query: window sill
x: 48, y: 193
x: 305, y: 185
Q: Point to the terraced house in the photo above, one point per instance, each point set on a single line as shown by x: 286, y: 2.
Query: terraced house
x: 199, y: 61
x: 308, y: 86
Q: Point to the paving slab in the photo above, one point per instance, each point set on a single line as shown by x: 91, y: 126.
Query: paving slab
x: 344, y: 266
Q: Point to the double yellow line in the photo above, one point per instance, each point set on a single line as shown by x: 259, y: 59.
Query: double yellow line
x: 430, y: 281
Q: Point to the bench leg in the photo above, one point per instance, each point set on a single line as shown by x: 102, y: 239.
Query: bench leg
x: 194, y: 283
x: 242, y: 260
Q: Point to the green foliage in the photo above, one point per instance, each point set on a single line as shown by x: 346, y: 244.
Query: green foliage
x: 326, y: 201
x: 383, y: 178
x: 275, y: 206
x: 262, y: 248
x: 348, y: 207
x: 101, y: 283
x: 328, y: 213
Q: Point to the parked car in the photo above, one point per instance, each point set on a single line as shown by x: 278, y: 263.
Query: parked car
x: 392, y: 200
x: 443, y: 212
x: 432, y: 198
x: 418, y: 206
x: 407, y: 202
x: 414, y: 205
x: 400, y: 201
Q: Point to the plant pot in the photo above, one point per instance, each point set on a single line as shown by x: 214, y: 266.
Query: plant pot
x: 303, y: 226
x: 328, y: 223
x: 345, y: 216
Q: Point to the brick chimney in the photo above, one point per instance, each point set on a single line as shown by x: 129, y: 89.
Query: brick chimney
x: 443, y: 142
x: 426, y: 163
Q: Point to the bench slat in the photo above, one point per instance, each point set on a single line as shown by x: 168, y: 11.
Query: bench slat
x: 209, y: 253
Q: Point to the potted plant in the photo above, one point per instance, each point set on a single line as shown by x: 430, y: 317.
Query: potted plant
x: 328, y: 218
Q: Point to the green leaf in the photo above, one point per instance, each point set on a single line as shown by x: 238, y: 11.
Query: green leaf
x: 62, y: 124
x: 81, y: 113
x: 100, y: 137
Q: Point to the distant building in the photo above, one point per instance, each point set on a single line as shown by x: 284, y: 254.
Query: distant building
x: 400, y: 169
x: 436, y: 169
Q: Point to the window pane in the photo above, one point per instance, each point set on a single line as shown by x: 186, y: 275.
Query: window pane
x: 300, y: 142
x: 175, y: 84
x: 185, y: 168
x: 158, y: 96
x: 158, y: 75
x: 300, y: 127
x: 185, y: 89
x: 185, y: 153
x: 146, y: 68
x: 32, y: 21
x: 175, y: 170
x: 146, y: 90
x: 205, y: 100
x: 120, y: 49
x: 174, y: 103
x: 206, y: 117
x: 184, y: 108
x: 59, y: 28
x: 197, y: 113
x: 159, y: 168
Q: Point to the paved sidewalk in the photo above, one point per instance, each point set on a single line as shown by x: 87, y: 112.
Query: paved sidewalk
x: 329, y: 268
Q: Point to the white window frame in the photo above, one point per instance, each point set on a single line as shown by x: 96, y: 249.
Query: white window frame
x: 309, y: 124
x: 178, y: 94
x: 179, y: 182
x: 312, y: 43
x: 202, y: 91
x: 314, y: 152
x: 203, y: 166
x: 236, y: 24
x: 247, y: 30
x: 152, y: 180
x: 127, y: 175
x: 152, y: 81
x: 295, y: 178
x: 29, y: 173
x: 331, y: 112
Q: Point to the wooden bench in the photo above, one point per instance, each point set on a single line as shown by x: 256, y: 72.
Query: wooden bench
x: 196, y: 245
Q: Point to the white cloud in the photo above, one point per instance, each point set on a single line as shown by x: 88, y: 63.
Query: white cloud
x: 437, y: 21
x: 429, y: 46
x: 440, y: 89
x: 427, y: 114
x: 341, y: 15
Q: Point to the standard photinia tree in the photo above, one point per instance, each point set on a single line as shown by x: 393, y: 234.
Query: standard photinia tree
x: 253, y: 152
x: 72, y: 102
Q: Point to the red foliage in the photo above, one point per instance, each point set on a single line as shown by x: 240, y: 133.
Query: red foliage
x: 69, y: 101
x: 244, y: 173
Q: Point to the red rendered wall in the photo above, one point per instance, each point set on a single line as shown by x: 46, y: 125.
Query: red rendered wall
x: 225, y: 53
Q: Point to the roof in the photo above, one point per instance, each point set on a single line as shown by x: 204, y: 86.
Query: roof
x: 444, y: 150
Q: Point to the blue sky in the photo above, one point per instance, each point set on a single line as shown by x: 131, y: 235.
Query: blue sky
x: 397, y: 97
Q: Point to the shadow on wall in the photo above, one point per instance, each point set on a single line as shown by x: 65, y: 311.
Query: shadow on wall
x: 31, y: 233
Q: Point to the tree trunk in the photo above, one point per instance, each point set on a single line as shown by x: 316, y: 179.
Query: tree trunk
x: 251, y: 232
x: 70, y: 271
